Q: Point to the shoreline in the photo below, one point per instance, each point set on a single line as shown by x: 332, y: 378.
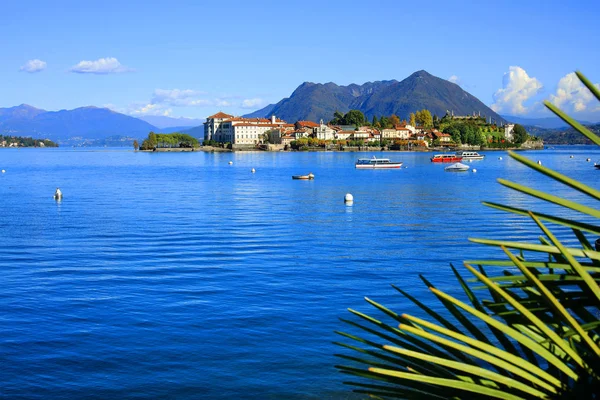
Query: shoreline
x: 210, y: 149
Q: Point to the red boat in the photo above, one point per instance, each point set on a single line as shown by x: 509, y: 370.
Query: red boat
x: 446, y: 158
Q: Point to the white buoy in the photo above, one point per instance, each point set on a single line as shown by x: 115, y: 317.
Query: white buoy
x: 230, y: 162
x: 253, y: 170
x: 3, y: 171
x: 540, y: 162
x: 570, y: 156
x: 58, y: 194
x: 348, y: 198
x: 474, y: 170
x: 588, y: 159
x: 499, y: 158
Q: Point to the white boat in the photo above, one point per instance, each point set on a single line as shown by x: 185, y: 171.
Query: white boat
x: 470, y: 155
x: 376, y: 163
x: 458, y: 167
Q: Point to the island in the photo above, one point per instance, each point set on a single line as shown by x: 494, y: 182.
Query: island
x: 352, y: 131
x: 168, y: 142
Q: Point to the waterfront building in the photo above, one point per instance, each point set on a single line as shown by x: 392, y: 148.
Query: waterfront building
x: 239, y: 131
x: 343, y: 135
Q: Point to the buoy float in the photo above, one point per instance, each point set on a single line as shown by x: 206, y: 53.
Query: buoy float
x: 474, y: 170
x: 58, y: 194
x: 253, y: 170
x: 570, y: 156
x: 230, y: 162
x: 499, y: 158
x: 540, y: 162
x: 348, y: 198
x: 588, y: 159
x: 3, y: 171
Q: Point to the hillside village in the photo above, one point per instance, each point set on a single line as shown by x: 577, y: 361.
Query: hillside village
x: 241, y: 133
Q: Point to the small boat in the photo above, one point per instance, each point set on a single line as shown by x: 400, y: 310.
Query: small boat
x: 458, y: 167
x: 310, y: 176
x: 597, y: 165
x: 469, y: 155
x: 376, y: 163
x: 450, y: 157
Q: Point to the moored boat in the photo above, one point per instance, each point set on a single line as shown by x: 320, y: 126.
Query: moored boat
x: 450, y: 157
x: 376, y: 163
x: 310, y: 176
x: 469, y: 155
x: 458, y: 167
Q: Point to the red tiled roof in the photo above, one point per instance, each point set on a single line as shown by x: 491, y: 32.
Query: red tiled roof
x: 221, y: 114
x: 308, y: 123
x: 260, y: 125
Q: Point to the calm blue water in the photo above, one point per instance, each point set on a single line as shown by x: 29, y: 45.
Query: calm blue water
x: 180, y: 276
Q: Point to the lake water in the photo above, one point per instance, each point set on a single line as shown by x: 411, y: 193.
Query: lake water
x: 177, y: 275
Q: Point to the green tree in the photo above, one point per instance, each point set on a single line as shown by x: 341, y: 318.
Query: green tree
x: 152, y: 139
x: 374, y: 121
x: 338, y: 118
x: 412, y: 120
x: 519, y: 134
x: 385, y: 122
x: 136, y: 145
x: 354, y: 117
x: 394, y: 120
x: 424, y: 118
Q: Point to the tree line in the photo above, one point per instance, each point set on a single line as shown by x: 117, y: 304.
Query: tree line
x: 27, y: 141
x: 168, y: 140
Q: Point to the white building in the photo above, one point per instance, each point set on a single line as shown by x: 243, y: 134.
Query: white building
x: 324, y: 132
x: 226, y: 128
x: 508, y: 132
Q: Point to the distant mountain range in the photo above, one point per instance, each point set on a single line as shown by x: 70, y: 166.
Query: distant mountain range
x: 86, y: 125
x: 315, y: 101
x: 544, y: 123
x: 84, y: 122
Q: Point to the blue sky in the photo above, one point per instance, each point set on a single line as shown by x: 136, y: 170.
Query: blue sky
x: 192, y: 58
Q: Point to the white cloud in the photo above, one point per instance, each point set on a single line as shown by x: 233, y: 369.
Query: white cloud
x: 571, y: 95
x: 151, y: 109
x: 180, y: 98
x: 454, y: 79
x: 32, y: 66
x: 253, y: 103
x: 517, y: 88
x: 101, y: 66
x: 222, y: 103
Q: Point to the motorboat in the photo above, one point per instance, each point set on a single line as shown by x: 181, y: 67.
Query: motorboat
x: 469, y: 155
x: 308, y: 177
x: 450, y: 157
x: 458, y: 167
x: 376, y: 163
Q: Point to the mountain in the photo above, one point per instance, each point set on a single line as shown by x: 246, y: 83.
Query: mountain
x: 83, y: 122
x: 22, y: 111
x: 168, y: 122
x: 315, y: 101
x: 545, y: 123
x: 197, y: 132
